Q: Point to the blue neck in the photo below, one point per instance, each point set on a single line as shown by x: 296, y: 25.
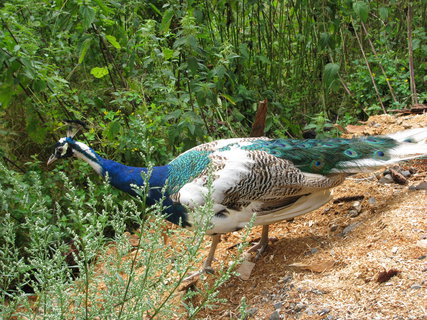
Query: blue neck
x: 124, y: 177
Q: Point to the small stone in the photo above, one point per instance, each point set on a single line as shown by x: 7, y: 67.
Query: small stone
x: 422, y: 257
x: 250, y: 313
x: 357, y: 206
x: 353, y: 213
x: 372, y: 201
x: 394, y: 250
x: 334, y: 227
x: 416, y: 286
x: 386, y: 179
x: 286, y: 279
x: 317, y: 291
x: 299, y: 306
x: 278, y: 305
x: 406, y: 173
x: 349, y: 229
x: 421, y: 186
x: 324, y: 311
x: 312, y: 251
x: 275, y: 316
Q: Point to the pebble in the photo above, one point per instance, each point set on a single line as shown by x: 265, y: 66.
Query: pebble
x: 286, y: 279
x: 406, y: 173
x: 299, y: 306
x: 324, y: 311
x: 421, y: 186
x: 422, y: 257
x: 278, y: 305
x: 334, y: 227
x: 317, y: 291
x: 312, y: 251
x: 372, y: 201
x: 349, y: 229
x: 275, y: 316
x: 386, y: 179
x: 250, y: 313
x: 357, y: 206
x: 394, y: 250
x: 416, y: 286
x: 353, y: 213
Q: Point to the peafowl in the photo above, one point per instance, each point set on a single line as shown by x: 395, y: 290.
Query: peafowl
x: 273, y: 179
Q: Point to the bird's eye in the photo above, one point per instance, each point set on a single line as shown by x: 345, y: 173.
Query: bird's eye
x: 59, y: 150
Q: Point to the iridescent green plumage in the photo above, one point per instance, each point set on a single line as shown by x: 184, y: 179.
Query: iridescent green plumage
x: 322, y: 156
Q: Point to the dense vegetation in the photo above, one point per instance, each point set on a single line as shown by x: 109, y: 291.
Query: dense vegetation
x: 153, y: 78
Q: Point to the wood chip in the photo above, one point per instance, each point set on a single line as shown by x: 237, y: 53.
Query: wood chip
x: 320, y: 266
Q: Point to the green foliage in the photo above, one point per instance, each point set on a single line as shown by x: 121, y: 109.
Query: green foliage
x: 44, y: 244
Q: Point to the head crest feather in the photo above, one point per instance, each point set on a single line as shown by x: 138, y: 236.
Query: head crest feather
x: 74, y: 126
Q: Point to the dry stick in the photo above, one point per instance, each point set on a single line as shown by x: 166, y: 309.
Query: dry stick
x: 414, y: 97
x: 369, y: 68
x: 381, y: 66
x: 104, y: 56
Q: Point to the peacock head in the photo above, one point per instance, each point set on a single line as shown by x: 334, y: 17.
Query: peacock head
x: 66, y: 147
x: 63, y: 149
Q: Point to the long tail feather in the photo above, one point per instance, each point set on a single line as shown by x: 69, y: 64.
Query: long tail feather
x: 410, y: 144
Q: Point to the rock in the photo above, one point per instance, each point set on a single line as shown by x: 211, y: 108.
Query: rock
x: 353, y: 213
x: 299, y: 307
x: 421, y: 186
x: 422, y: 257
x: 372, y: 201
x: 286, y: 279
x: 357, y: 206
x: 275, y: 316
x: 324, y: 311
x: 349, y: 229
x: 406, y: 173
x: 386, y: 179
x: 312, y: 251
x: 250, y: 313
x: 416, y: 286
x: 333, y: 228
x: 394, y: 250
x: 278, y: 305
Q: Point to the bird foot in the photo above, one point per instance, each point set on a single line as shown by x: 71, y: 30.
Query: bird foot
x: 207, y: 270
x: 260, y: 247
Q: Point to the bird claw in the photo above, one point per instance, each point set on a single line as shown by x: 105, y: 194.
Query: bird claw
x: 207, y: 270
x: 259, y: 248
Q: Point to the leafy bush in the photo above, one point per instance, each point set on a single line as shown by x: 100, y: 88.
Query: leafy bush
x: 44, y: 245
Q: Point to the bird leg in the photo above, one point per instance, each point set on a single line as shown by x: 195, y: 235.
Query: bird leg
x: 216, y: 238
x: 262, y: 244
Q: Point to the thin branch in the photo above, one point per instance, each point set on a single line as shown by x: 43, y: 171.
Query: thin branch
x: 414, y: 97
x: 369, y: 68
x: 380, y: 65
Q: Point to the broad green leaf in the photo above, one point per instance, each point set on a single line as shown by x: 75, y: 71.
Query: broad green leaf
x: 88, y: 15
x: 330, y: 74
x: 361, y: 9
x: 166, y: 20
x: 325, y: 39
x: 167, y: 53
x: 112, y: 39
x: 84, y: 48
x: 383, y: 11
x: 98, y: 72
x: 103, y: 7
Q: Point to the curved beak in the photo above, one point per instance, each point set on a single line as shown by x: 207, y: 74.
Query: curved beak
x: 52, y: 158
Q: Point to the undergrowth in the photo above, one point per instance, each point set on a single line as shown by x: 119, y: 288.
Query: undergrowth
x: 73, y: 259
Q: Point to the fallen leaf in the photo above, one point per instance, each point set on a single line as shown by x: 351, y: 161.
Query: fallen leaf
x: 245, y: 269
